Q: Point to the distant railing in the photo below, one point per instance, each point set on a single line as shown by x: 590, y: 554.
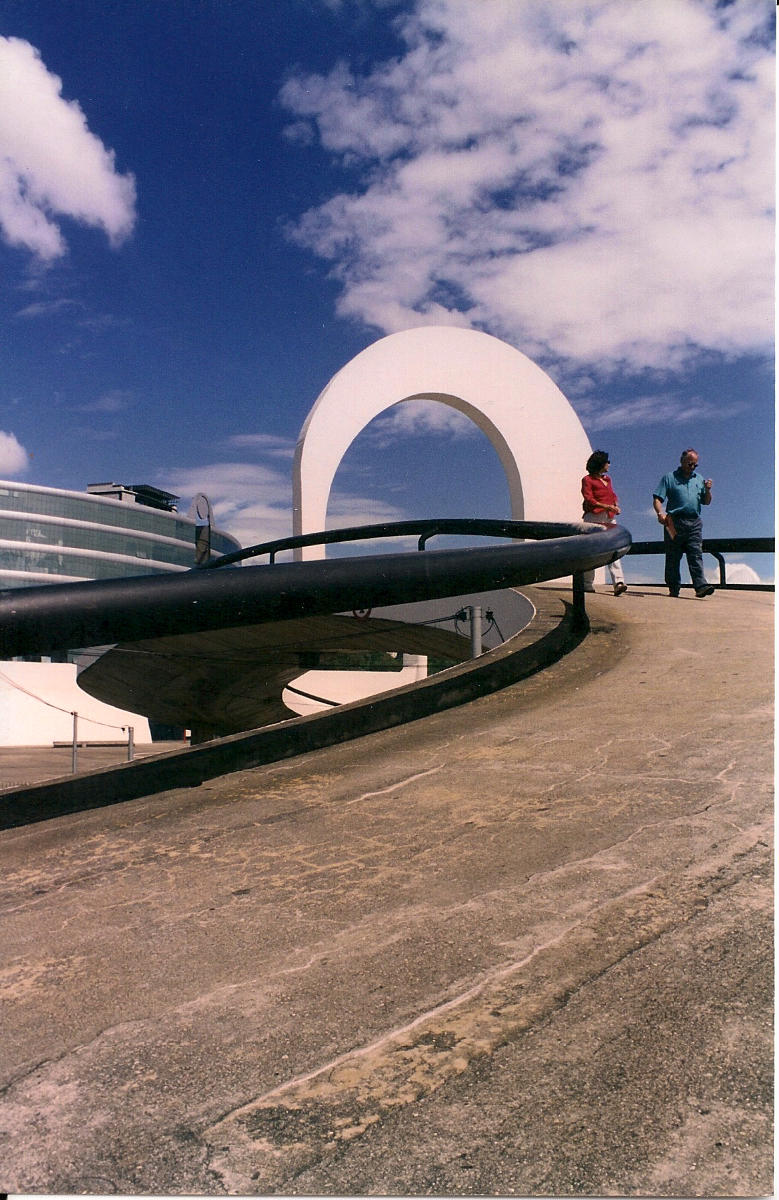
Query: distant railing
x: 718, y: 548
x: 425, y: 529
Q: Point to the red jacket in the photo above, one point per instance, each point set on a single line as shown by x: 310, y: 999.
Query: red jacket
x: 598, y: 492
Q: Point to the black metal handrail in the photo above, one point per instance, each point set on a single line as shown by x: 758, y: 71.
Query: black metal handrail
x: 718, y: 547
x: 426, y: 528
x: 39, y: 620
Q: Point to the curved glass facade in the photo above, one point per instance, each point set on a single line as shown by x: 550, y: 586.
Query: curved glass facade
x: 52, y: 536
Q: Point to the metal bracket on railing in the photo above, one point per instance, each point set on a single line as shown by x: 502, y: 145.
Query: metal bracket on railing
x: 474, y: 612
x: 723, y: 578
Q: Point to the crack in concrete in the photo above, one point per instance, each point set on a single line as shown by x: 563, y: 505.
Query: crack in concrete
x: 394, y: 787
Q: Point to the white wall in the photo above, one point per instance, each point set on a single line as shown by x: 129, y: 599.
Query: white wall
x: 26, y: 721
x: 343, y: 686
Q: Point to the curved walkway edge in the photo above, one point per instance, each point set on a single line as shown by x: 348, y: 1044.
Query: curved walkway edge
x: 551, y: 633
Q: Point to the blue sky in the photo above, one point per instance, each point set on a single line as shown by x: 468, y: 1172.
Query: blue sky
x: 208, y: 207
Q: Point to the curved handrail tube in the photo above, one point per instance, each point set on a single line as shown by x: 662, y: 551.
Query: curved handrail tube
x: 62, y: 616
x: 426, y: 528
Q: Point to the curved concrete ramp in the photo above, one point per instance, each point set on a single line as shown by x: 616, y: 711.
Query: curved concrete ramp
x: 522, y: 946
x: 229, y: 680
x: 552, y: 631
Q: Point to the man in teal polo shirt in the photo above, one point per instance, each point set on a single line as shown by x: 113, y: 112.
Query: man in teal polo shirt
x: 683, y: 491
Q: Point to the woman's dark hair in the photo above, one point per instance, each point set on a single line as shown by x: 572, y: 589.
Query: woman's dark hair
x: 596, y: 462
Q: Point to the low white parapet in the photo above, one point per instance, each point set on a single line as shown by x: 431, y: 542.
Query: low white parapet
x: 340, y: 687
x: 37, y: 702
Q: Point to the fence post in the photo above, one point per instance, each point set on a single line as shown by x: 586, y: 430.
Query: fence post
x: 130, y: 742
x: 74, y: 751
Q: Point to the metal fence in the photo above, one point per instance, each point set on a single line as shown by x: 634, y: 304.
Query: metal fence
x: 718, y: 548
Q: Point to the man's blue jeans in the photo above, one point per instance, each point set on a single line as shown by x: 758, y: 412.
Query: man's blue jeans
x: 689, y: 542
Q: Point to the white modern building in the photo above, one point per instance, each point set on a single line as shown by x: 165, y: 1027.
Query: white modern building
x: 49, y: 535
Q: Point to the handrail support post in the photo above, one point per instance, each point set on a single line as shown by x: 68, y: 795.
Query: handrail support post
x: 580, y: 619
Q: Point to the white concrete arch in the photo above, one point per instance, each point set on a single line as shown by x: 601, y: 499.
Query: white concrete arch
x: 538, y: 437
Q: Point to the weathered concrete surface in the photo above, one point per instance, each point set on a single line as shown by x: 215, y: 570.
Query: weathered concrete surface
x: 522, y: 946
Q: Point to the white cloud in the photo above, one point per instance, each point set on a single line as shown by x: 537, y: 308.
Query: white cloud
x: 47, y: 308
x: 668, y: 409
x: 114, y: 401
x: 742, y: 573
x: 13, y: 456
x: 414, y: 417
x: 737, y: 572
x: 50, y: 163
x: 590, y: 180
x: 344, y: 509
x: 254, y: 502
x: 264, y: 443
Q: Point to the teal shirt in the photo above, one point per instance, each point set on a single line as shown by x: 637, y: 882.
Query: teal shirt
x: 682, y: 496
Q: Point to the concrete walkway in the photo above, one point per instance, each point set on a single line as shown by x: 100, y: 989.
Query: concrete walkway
x: 520, y: 947
x: 22, y: 765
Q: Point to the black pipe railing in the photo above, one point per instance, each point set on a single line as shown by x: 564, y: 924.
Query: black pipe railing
x: 425, y: 528
x: 718, y: 548
x: 54, y: 617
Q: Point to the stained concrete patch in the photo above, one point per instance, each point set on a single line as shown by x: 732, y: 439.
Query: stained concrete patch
x: 651, y: 1079
x: 274, y: 1139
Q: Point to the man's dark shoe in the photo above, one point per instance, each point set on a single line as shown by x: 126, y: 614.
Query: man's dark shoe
x: 708, y: 590
x: 674, y: 595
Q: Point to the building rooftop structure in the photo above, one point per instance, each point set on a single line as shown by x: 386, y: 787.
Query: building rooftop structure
x: 136, y: 493
x: 112, y: 530
x: 54, y: 536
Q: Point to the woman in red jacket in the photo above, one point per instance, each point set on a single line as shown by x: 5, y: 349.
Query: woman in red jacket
x: 601, y: 506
